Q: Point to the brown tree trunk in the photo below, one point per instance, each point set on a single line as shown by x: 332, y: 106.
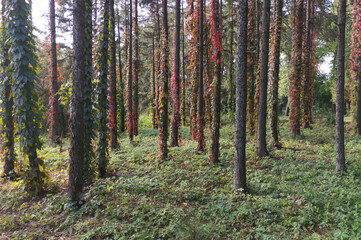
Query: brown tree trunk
x: 241, y: 98
x: 176, y: 79
x: 113, y: 123
x: 121, y: 85
x: 262, y: 110
x: 130, y: 79
x: 75, y: 186
x: 216, y: 101
x: 136, y: 64
x: 200, y: 117
x: 54, y: 121
x: 340, y: 134
x: 275, y: 70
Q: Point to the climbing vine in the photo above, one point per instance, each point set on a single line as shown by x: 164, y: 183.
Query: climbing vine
x: 23, y: 66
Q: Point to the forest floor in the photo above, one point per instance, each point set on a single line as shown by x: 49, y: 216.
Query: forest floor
x: 295, y: 194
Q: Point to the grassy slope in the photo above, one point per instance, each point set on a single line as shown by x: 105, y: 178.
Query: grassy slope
x: 296, y: 194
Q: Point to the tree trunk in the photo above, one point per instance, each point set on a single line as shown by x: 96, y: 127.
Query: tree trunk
x: 176, y: 79
x: 216, y: 101
x: 130, y: 79
x: 340, y: 145
x: 275, y: 70
x: 7, y: 102
x: 307, y: 67
x: 121, y: 85
x: 54, y: 99
x: 184, y: 86
x: 136, y: 63
x: 241, y: 99
x: 113, y: 123
x: 262, y: 110
x: 296, y: 70
x: 163, y: 131
x: 200, y: 117
x: 75, y: 185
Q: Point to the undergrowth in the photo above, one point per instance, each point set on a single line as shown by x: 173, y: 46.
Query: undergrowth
x: 294, y: 194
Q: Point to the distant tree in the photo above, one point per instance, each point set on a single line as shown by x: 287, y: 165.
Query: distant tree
x: 130, y: 78
x: 136, y: 67
x: 121, y: 84
x: 163, y: 128
x: 275, y: 70
x: 102, y: 89
x: 296, y: 69
x: 77, y: 128
x: 240, y: 180
x: 216, y: 33
x: 175, y: 81
x: 7, y: 101
x: 113, y: 124
x: 262, y: 110
x: 54, y: 98
x: 200, y: 117
x: 340, y: 134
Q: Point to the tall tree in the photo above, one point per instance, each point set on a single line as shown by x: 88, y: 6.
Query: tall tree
x: 262, y: 110
x: 175, y: 81
x: 23, y: 66
x: 216, y: 101
x: 340, y: 134
x: 136, y: 65
x: 307, y: 66
x: 7, y: 98
x: 130, y: 78
x: 89, y: 125
x: 275, y: 69
x: 356, y: 63
x: 102, y: 89
x: 163, y: 128
x: 54, y: 99
x: 121, y: 84
x: 200, y: 116
x: 240, y: 180
x: 296, y: 69
x: 75, y: 186
x: 113, y: 124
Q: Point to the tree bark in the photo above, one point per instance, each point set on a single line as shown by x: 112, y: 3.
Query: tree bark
x: 176, y: 79
x: 75, y: 186
x: 121, y: 85
x: 200, y: 117
x: 130, y: 79
x: 241, y: 98
x: 262, y: 110
x: 54, y: 99
x: 340, y: 134
x: 113, y: 123
x: 275, y: 70
x: 136, y: 64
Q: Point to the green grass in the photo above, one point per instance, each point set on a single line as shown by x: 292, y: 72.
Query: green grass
x: 295, y: 194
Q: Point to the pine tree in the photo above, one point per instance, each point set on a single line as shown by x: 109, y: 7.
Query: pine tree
x: 136, y: 66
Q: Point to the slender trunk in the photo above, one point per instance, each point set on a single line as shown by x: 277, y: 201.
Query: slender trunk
x: 296, y: 70
x: 241, y: 98
x: 153, y: 85
x: 176, y: 79
x: 121, y: 85
x: 216, y: 101
x: 307, y: 67
x: 184, y: 86
x: 75, y: 186
x: 113, y: 123
x: 130, y: 79
x: 231, y: 94
x: 262, y: 112
x: 340, y: 134
x: 136, y: 63
x: 200, y: 117
x: 275, y: 70
x: 163, y: 130
x: 54, y: 99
